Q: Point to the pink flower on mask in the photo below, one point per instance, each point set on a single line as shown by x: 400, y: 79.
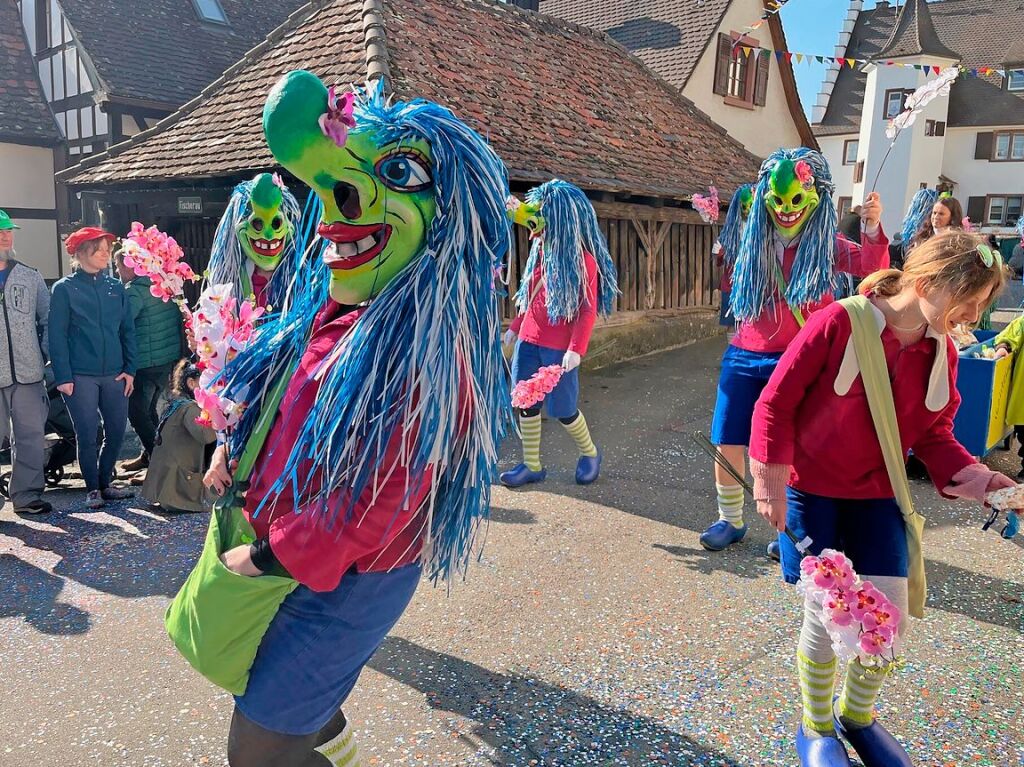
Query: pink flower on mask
x: 336, y: 122
x: 804, y: 174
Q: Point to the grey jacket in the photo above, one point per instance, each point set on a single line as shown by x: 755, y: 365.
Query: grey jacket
x: 24, y: 310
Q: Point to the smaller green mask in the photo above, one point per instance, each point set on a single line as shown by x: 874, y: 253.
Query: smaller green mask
x: 792, y: 197
x: 527, y: 214
x: 746, y: 202
x: 265, y: 233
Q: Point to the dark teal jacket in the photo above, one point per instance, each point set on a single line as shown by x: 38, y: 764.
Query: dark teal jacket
x: 158, y: 326
x: 91, y: 328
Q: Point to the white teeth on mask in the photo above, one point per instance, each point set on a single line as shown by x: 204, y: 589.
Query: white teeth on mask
x: 346, y: 249
x: 366, y: 243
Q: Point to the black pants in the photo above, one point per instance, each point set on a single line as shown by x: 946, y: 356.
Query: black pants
x: 150, y: 384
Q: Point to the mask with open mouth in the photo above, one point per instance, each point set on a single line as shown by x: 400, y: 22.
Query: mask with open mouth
x: 792, y: 197
x: 265, y: 233
x: 377, y: 190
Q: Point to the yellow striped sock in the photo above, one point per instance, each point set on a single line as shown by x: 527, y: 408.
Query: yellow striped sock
x: 341, y: 751
x: 730, y: 504
x: 817, y: 681
x: 581, y: 434
x: 529, y: 428
x: 857, y: 701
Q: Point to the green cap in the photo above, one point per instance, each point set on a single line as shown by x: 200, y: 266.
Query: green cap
x: 5, y: 221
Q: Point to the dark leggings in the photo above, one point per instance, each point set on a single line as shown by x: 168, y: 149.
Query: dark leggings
x: 531, y: 412
x: 92, y: 397
x: 249, y: 745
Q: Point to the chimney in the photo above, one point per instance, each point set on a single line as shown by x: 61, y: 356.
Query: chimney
x: 832, y: 73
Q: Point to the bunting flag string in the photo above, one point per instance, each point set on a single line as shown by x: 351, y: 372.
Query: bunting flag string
x: 773, y: 7
x: 800, y: 58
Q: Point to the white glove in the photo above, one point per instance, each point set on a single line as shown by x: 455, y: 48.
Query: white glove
x: 570, y: 360
x: 509, y: 338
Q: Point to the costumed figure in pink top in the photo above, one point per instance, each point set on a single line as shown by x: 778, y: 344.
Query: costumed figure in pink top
x: 787, y: 267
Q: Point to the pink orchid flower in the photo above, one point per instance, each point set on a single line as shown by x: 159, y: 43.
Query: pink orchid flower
x: 336, y: 122
x: 875, y: 642
x: 837, y: 607
x: 865, y: 600
x: 804, y: 174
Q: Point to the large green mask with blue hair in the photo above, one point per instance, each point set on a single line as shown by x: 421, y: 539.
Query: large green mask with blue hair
x: 792, y: 197
x: 378, y: 195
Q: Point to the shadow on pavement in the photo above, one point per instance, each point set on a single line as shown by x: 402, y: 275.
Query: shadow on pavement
x: 705, y: 562
x: 31, y: 592
x: 529, y: 721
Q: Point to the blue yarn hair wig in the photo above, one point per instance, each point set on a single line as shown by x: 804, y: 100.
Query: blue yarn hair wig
x: 812, y: 277
x: 570, y: 228
x: 424, y: 360
x: 920, y: 208
x: 1020, y: 227
x: 228, y: 260
x: 732, y: 230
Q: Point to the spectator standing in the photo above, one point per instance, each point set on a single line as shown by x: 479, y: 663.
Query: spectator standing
x: 24, y: 405
x: 92, y: 347
x: 158, y: 341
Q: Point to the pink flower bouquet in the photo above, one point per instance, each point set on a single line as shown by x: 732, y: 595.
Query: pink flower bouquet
x: 528, y: 393
x: 708, y: 206
x: 151, y: 253
x: 859, y: 618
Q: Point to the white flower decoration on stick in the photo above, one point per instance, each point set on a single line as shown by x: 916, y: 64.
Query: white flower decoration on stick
x: 920, y: 98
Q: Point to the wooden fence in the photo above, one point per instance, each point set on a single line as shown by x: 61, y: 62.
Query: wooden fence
x: 663, y: 257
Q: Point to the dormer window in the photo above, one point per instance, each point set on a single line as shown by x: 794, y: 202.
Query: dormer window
x: 1015, y: 80
x: 210, y: 10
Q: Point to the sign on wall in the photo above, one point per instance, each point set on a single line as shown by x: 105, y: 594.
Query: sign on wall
x: 191, y: 205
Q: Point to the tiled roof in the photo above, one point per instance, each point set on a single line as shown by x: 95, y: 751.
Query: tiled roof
x: 914, y: 34
x: 160, y: 50
x: 24, y: 114
x: 555, y: 99
x: 986, y: 34
x: 668, y: 35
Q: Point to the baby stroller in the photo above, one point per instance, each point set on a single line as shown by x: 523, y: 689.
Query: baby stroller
x: 61, y: 449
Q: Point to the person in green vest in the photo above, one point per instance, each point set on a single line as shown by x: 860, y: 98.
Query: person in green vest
x: 159, y: 340
x: 1009, y: 342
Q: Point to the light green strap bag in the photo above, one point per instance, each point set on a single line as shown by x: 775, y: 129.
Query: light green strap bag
x: 218, y: 618
x: 875, y: 374
x: 780, y: 283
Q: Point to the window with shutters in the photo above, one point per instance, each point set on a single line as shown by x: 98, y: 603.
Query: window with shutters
x: 741, y: 71
x: 850, y: 147
x: 934, y: 128
x: 1003, y: 210
x: 858, y: 172
x: 1008, y: 146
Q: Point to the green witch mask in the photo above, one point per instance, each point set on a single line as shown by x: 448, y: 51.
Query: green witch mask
x: 378, y: 194
x: 746, y: 201
x: 527, y: 214
x: 266, y: 231
x: 792, y: 197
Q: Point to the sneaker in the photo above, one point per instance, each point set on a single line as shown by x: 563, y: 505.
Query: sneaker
x: 138, y: 480
x: 136, y: 464
x: 116, y: 493
x: 94, y: 500
x: 35, y: 507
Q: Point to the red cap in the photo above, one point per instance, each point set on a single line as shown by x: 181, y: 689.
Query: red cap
x: 86, y: 233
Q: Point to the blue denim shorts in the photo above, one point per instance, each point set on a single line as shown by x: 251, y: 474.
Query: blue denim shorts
x: 562, y: 401
x: 871, y: 533
x: 744, y: 376
x: 316, y: 647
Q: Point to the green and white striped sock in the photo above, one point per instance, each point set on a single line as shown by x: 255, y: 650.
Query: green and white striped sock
x: 529, y: 428
x: 580, y: 433
x: 341, y: 751
x: 817, y: 682
x: 730, y: 504
x: 857, y: 702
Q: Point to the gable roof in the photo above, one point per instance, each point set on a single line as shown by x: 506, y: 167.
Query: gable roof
x: 987, y: 34
x: 25, y: 117
x: 554, y: 99
x: 914, y: 34
x: 671, y: 36
x: 159, y: 52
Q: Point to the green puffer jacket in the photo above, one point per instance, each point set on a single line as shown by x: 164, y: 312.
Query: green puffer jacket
x: 158, y: 325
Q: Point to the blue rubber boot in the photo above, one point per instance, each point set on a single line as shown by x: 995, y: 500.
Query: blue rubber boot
x: 824, y: 751
x: 874, y: 745
x: 774, y: 551
x: 522, y: 475
x: 588, y: 469
x: 721, y: 535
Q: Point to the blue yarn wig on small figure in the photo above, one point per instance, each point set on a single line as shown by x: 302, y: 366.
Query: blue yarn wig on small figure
x: 920, y: 208
x: 732, y: 230
x: 426, y: 354
x: 812, y: 276
x: 570, y: 229
x: 229, y: 262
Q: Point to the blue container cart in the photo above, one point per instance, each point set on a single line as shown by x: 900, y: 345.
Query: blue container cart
x: 984, y: 387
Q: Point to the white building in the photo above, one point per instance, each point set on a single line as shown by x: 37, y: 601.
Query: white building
x: 29, y: 147
x: 693, y: 45
x: 970, y: 142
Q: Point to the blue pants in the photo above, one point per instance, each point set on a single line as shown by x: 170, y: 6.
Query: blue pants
x: 316, y: 647
x: 92, y: 397
x: 562, y: 401
x: 871, y: 533
x: 744, y: 376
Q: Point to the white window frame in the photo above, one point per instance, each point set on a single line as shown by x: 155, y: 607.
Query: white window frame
x: 1015, y: 80
x: 202, y: 7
